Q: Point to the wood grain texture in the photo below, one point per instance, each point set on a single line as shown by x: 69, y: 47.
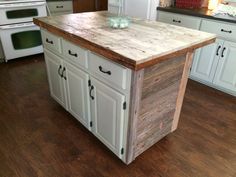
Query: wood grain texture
x: 182, y: 88
x: 141, y: 45
x: 135, y: 97
x: 38, y: 138
x: 158, y: 102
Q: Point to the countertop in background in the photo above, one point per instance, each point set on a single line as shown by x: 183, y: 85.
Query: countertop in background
x: 202, y: 12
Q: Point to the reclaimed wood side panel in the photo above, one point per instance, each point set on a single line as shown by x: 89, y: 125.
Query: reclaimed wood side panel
x: 160, y: 90
x: 135, y: 96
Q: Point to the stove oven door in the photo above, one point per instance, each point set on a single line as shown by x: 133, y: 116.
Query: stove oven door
x: 21, y: 12
x: 20, y: 40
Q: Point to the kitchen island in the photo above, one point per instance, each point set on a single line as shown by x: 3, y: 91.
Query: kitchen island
x: 126, y: 86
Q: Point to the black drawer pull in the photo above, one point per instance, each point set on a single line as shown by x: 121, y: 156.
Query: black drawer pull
x: 59, y: 71
x: 218, y: 49
x: 72, y: 54
x: 105, y: 72
x: 64, y: 69
x: 176, y: 21
x: 226, y: 31
x: 59, y: 7
x: 90, y: 92
x: 48, y: 41
x: 223, y: 52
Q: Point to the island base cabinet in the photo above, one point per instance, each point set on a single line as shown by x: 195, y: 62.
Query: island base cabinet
x: 77, y: 93
x: 107, y: 110
x: 69, y: 87
x: 54, y: 68
x: 226, y: 71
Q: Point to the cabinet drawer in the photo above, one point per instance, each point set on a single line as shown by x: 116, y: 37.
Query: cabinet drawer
x: 51, y: 41
x: 74, y: 54
x: 108, y: 70
x: 179, y: 20
x: 60, y: 6
x: 225, y: 30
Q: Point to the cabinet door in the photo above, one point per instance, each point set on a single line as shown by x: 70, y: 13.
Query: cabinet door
x: 101, y: 5
x: 54, y: 70
x: 226, y: 70
x: 83, y: 6
x: 205, y: 61
x: 107, y: 115
x: 76, y: 82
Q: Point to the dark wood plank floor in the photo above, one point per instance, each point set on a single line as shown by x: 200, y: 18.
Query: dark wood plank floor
x: 39, y: 139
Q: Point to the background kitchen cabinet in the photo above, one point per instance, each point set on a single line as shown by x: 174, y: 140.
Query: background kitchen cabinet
x: 206, y: 60
x: 179, y: 20
x: 60, y: 7
x: 226, y: 71
x: 89, y: 5
x: 215, y: 64
x: 107, y: 115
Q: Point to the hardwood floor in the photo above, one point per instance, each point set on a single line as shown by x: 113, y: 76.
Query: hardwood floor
x: 39, y: 139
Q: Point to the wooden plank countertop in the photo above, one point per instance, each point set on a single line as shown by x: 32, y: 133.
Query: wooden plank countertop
x: 143, y: 44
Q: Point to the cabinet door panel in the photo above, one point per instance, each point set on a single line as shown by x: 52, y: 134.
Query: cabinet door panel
x: 55, y: 81
x: 77, y: 93
x: 226, y: 70
x: 108, y: 116
x: 205, y: 61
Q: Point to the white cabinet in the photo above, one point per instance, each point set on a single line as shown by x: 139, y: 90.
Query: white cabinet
x: 226, y: 71
x: 60, y: 7
x: 215, y: 64
x: 93, y: 89
x: 54, y: 70
x: 77, y: 93
x: 179, y: 20
x: 107, y: 110
x: 69, y: 87
x: 206, y: 60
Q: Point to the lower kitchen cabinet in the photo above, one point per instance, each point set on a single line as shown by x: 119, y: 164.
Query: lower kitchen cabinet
x: 226, y: 71
x: 54, y: 69
x: 206, y: 60
x: 107, y: 110
x: 69, y: 87
x: 76, y: 82
x: 215, y: 64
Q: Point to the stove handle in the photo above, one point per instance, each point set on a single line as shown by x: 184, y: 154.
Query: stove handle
x: 20, y: 25
x: 33, y: 4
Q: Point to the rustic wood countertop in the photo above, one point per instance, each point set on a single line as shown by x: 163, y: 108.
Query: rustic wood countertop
x: 143, y: 44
